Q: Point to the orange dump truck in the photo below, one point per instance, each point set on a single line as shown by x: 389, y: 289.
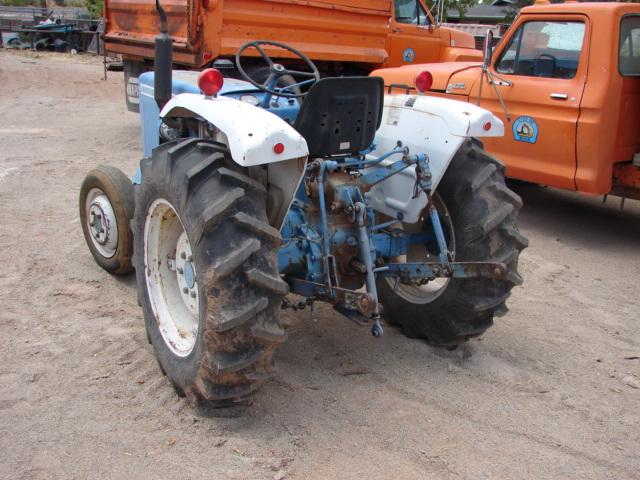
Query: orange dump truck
x: 565, y: 80
x: 340, y: 36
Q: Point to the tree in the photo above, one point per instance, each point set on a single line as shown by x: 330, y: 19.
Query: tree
x: 94, y: 7
x: 513, y: 10
x: 18, y: 3
x: 460, y: 5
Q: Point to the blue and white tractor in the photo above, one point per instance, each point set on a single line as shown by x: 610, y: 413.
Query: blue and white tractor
x: 385, y: 206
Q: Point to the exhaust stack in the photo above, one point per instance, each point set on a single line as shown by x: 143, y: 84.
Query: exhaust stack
x: 163, y: 61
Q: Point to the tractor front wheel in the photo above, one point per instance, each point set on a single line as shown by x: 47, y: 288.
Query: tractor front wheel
x: 207, y: 273
x: 106, y: 208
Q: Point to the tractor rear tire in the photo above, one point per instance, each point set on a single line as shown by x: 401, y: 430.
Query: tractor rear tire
x: 108, y: 192
x: 482, y: 212
x: 228, y: 323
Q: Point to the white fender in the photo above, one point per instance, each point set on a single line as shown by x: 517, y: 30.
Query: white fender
x: 432, y: 125
x: 250, y: 132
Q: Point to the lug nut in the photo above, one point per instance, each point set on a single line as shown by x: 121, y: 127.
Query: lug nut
x: 180, y: 271
x: 183, y: 255
x: 185, y: 290
x: 193, y: 294
x: 190, y: 259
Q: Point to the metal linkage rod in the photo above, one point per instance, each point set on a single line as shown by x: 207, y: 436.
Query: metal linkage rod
x: 365, y: 255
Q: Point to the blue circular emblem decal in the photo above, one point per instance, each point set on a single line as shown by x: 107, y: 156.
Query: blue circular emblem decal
x: 525, y: 129
x: 408, y: 55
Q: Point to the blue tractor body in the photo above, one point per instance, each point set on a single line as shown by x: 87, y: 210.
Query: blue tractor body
x: 326, y: 188
x: 307, y: 235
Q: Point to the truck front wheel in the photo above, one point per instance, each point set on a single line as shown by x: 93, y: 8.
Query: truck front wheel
x: 478, y: 213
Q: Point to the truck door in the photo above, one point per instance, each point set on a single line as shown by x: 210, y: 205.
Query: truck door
x: 543, y: 67
x: 413, y: 38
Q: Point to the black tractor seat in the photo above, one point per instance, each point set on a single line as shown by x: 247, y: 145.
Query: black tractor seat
x: 340, y: 116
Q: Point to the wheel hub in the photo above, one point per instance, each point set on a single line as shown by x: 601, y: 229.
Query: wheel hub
x: 98, y: 231
x: 426, y: 291
x: 101, y: 221
x: 171, y: 278
x: 186, y: 274
x: 189, y: 274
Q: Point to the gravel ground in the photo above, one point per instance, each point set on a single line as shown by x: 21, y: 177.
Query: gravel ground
x: 550, y: 392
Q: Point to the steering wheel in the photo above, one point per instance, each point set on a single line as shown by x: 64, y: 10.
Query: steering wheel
x: 276, y: 70
x: 539, y: 59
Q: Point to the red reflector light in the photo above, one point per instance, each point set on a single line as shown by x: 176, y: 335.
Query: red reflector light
x: 487, y: 126
x: 423, y: 81
x: 210, y: 81
x: 278, y: 148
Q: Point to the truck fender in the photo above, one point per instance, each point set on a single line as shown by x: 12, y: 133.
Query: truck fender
x: 250, y: 132
x: 434, y: 126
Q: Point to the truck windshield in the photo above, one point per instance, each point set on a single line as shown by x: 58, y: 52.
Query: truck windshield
x: 544, y: 49
x: 629, y: 49
x: 410, y: 11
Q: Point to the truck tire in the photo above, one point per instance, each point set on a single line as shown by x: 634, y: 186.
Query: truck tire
x: 478, y: 213
x: 106, y: 207
x: 207, y: 272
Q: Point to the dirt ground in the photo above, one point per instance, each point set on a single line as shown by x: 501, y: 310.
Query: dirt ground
x: 552, y: 391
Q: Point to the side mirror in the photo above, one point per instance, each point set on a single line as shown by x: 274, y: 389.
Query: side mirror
x: 487, y: 48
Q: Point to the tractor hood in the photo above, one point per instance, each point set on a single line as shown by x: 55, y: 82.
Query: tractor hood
x: 456, y: 78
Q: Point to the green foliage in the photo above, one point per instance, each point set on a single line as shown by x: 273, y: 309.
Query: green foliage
x: 460, y: 5
x: 515, y: 8
x: 94, y: 7
x: 20, y: 3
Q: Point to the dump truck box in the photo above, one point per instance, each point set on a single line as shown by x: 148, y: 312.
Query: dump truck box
x: 345, y: 31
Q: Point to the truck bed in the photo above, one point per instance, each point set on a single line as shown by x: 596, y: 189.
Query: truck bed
x: 345, y: 30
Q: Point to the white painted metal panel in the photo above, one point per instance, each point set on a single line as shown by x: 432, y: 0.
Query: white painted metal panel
x: 250, y: 132
x: 430, y: 125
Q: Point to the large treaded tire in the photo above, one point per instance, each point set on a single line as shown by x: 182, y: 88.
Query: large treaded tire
x: 223, y: 212
x: 483, y: 213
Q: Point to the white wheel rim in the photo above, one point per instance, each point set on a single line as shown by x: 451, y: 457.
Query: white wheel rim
x: 101, y: 222
x: 424, y: 294
x: 171, y: 277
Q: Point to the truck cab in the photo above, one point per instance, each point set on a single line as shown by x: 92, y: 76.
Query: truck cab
x: 565, y: 81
